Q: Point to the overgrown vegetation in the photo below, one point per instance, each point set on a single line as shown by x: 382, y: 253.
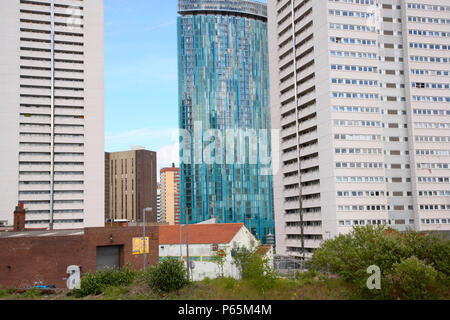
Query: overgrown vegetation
x: 254, y: 268
x: 96, y: 284
x: 167, y: 276
x: 412, y: 265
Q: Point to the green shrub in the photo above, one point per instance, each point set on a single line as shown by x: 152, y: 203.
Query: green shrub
x: 31, y: 293
x: 254, y: 268
x: 11, y: 290
x: 350, y: 255
x: 412, y: 279
x: 96, y: 284
x: 169, y: 275
x: 2, y: 292
x: 116, y: 292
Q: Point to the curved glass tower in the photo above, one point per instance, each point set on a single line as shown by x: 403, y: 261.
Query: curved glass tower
x: 224, y: 114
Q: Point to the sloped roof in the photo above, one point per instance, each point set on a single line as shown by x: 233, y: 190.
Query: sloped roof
x: 199, y: 233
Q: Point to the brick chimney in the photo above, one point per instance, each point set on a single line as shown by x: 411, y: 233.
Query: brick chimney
x: 19, y: 217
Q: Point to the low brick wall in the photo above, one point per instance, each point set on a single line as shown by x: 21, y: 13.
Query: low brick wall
x: 29, y: 260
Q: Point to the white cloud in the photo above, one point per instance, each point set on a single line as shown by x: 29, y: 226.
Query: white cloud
x: 168, y: 155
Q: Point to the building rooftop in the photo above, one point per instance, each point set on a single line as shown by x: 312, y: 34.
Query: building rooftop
x: 254, y: 8
x: 199, y: 233
x: 40, y: 233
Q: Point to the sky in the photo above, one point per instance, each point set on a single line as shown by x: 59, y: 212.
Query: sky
x: 141, y: 86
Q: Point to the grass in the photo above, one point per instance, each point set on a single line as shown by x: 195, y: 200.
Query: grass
x: 305, y: 287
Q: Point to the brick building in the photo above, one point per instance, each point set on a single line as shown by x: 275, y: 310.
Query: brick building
x: 28, y: 258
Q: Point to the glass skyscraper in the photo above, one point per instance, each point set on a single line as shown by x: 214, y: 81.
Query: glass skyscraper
x: 224, y: 114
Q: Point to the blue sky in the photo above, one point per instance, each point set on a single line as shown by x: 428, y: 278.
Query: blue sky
x: 141, y: 87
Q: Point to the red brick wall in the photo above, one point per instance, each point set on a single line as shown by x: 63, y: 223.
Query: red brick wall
x: 27, y: 260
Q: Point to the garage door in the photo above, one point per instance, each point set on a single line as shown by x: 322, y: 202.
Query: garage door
x: 108, y: 257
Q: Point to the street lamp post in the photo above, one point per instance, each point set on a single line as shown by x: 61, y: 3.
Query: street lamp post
x: 143, y: 231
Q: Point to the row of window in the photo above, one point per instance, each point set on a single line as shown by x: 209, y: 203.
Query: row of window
x: 425, y: 72
x: 431, y: 125
x: 359, y: 82
x: 435, y: 221
x: 430, y: 99
x: 433, y: 165
x: 430, y: 46
x: 428, y: 7
x: 355, y: 95
x: 365, y: 165
x: 431, y: 152
x: 426, y: 85
x: 434, y: 193
x: 353, y: 27
x: 353, y: 54
x: 371, y: 2
x: 345, y: 13
x: 428, y: 20
x: 358, y: 151
x: 432, y: 112
x: 356, y: 109
x: 432, y: 138
x: 359, y: 179
x: 362, y: 208
x: 357, y: 137
x: 45, y: 222
x: 430, y: 59
x: 372, y: 222
x: 433, y: 179
x: 341, y: 67
x: 357, y: 123
x: 428, y: 33
x: 360, y: 193
x: 434, y: 207
x: 366, y: 42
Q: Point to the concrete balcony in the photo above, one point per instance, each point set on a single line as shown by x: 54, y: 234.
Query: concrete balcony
x: 290, y: 167
x: 34, y: 148
x: 33, y: 138
x: 314, y: 162
x: 69, y: 75
x: 289, y: 131
x: 291, y: 193
x: 35, y: 54
x: 288, y: 119
x: 289, y: 143
x: 69, y: 177
x: 35, y: 63
x: 310, y: 176
x: 35, y: 119
x: 69, y: 47
x: 69, y: 148
x: 35, y: 100
x: 69, y: 120
x: 68, y: 206
x: 70, y: 158
x: 309, y: 150
x: 34, y: 177
x: 311, y: 203
x: 34, y: 187
x: 35, y: 73
x: 311, y: 189
x: 37, y: 91
x: 69, y: 66
x: 37, y: 158
x: 308, y: 137
x: 35, y: 82
x: 34, y: 167
x: 68, y: 196
x: 69, y: 84
x: 69, y: 187
x: 64, y: 139
x: 291, y: 180
x: 69, y: 103
x: 35, y: 197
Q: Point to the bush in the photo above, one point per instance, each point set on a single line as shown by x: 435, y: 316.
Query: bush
x: 169, y: 275
x: 31, y: 293
x: 254, y: 268
x: 96, y: 284
x: 351, y: 254
x: 2, y: 292
x: 412, y: 279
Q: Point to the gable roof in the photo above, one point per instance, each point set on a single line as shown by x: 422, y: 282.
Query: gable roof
x: 199, y: 233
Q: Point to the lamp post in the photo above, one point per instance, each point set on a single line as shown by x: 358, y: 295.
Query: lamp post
x: 143, y: 226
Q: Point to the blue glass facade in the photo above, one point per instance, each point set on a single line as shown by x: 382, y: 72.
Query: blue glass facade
x: 224, y: 114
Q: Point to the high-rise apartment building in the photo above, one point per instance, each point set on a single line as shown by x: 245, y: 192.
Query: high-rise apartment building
x: 224, y: 113
x: 360, y: 94
x: 52, y: 111
x: 170, y: 195
x: 158, y: 203
x: 132, y: 185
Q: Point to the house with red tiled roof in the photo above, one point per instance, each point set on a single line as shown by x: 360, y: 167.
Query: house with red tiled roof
x: 205, y: 242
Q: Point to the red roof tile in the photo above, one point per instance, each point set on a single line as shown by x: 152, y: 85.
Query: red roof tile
x: 199, y: 233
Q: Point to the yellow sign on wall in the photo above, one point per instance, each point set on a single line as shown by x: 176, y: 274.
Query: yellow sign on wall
x: 138, y: 245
